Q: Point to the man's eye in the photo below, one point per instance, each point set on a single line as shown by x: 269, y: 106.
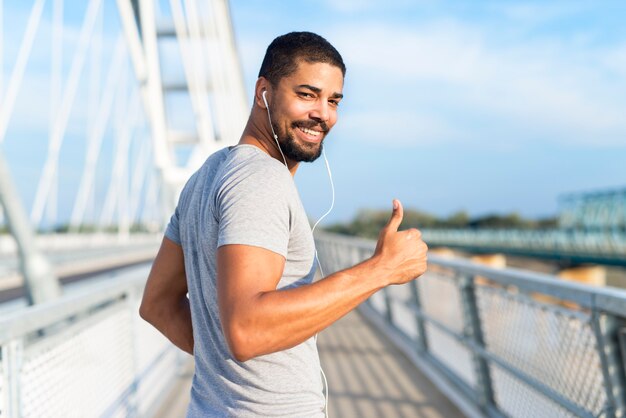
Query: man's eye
x: 334, y: 102
x: 305, y: 95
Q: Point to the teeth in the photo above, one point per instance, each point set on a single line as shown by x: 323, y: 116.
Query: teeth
x: 310, y: 131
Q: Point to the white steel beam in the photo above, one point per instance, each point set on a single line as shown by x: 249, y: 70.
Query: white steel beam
x: 1, y: 50
x: 163, y: 156
x: 117, y: 195
x: 93, y: 104
x: 1, y: 76
x: 95, y: 140
x: 141, y: 167
x: 156, y: 109
x: 60, y: 125
x: 39, y: 279
x: 15, y: 82
x: 128, y: 123
x: 56, y: 69
x: 133, y: 43
x: 190, y: 38
x: 227, y: 35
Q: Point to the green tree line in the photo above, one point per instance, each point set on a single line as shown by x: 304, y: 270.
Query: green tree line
x: 368, y: 222
x: 87, y: 229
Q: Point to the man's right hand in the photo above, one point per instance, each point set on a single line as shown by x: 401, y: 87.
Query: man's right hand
x: 400, y: 254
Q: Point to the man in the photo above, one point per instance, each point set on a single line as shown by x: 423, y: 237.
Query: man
x: 240, y: 244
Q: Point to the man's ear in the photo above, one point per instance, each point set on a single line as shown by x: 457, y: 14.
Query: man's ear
x: 261, y: 85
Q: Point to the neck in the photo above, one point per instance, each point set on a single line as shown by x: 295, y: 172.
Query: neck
x: 259, y: 134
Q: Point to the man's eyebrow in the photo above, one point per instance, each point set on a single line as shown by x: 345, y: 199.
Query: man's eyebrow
x: 319, y: 90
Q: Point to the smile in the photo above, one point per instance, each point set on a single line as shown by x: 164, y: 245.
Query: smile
x: 310, y: 135
x: 309, y: 131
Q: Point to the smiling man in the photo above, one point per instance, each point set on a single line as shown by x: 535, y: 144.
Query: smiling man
x: 239, y: 243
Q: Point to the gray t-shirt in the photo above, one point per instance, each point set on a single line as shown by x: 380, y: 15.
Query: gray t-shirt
x: 241, y: 195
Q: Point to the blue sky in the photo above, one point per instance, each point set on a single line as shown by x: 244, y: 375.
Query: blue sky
x: 490, y: 106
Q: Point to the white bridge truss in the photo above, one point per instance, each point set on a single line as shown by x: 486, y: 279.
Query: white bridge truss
x: 161, y: 82
x: 139, y: 91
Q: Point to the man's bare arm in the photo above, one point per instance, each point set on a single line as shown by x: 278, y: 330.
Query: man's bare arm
x: 258, y: 319
x: 165, y: 304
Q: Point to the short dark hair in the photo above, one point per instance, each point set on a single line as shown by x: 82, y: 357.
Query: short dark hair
x: 282, y: 55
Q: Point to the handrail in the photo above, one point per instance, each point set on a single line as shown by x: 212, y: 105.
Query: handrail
x: 502, y: 342
x: 86, y: 354
x: 38, y: 317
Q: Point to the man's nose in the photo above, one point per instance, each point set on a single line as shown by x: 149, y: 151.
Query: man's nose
x: 321, y: 111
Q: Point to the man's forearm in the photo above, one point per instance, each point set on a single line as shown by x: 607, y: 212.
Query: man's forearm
x: 164, y: 303
x: 280, y: 319
x: 174, y: 322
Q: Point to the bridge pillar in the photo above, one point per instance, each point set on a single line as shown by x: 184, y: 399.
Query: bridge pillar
x: 491, y: 260
x: 591, y: 275
x: 40, y: 282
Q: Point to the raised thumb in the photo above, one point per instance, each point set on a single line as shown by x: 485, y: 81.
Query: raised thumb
x: 396, y: 216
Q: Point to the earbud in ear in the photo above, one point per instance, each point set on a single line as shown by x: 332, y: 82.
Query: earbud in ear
x: 264, y: 99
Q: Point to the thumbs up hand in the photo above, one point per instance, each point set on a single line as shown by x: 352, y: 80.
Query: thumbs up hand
x: 401, y: 255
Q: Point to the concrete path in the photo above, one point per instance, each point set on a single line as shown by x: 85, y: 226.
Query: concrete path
x: 367, y: 376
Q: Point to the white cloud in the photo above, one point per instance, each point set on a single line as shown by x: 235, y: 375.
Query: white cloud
x: 356, y: 6
x: 539, y: 12
x: 397, y: 128
x: 548, y: 87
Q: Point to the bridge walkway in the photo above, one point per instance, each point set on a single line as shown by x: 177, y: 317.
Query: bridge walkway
x: 367, y: 375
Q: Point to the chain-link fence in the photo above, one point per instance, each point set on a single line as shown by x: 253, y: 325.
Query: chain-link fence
x: 86, y: 355
x: 509, y: 343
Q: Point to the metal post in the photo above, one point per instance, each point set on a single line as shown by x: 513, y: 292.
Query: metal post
x: 422, y: 341
x: 606, y: 329
x: 134, y: 400
x: 39, y: 279
x: 388, y: 307
x: 473, y: 331
x: 622, y: 343
x: 12, y: 363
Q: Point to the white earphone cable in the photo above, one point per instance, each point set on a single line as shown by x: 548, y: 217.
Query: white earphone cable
x: 332, y: 205
x: 269, y: 117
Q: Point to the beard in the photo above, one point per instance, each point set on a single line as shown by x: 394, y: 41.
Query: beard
x: 300, y: 151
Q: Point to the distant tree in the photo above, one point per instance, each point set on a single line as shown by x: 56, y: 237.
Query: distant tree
x: 548, y: 223
x: 368, y: 222
x: 418, y: 219
x: 457, y: 220
x: 510, y: 221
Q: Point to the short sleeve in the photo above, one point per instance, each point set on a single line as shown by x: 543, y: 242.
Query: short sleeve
x: 172, y: 232
x: 253, y: 210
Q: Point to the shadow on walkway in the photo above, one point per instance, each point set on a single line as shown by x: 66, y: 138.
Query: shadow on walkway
x: 369, y: 377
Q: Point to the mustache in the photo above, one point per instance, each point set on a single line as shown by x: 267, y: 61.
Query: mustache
x: 311, y: 124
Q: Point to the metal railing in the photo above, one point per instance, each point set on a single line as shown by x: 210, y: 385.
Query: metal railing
x: 502, y: 342
x: 87, y: 354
